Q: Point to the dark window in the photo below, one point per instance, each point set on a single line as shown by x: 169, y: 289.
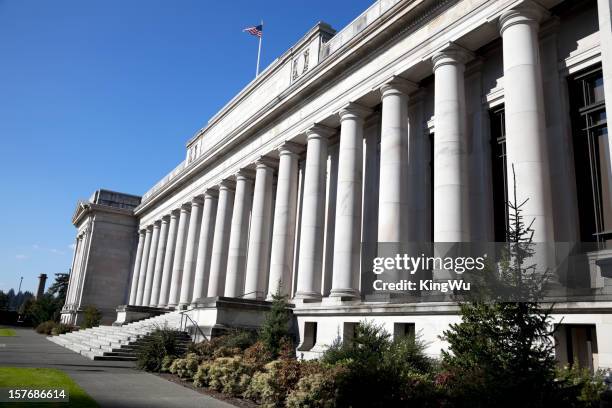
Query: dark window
x: 499, y: 173
x: 591, y: 156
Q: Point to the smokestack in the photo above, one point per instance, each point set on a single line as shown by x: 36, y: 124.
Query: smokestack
x: 42, y: 279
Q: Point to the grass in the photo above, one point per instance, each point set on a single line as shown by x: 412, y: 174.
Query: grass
x: 45, y: 378
x: 4, y: 332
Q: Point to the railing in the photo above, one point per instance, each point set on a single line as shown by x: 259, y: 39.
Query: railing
x: 185, y: 318
x: 257, y: 292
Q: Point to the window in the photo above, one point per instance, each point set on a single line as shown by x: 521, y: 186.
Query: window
x: 499, y: 173
x: 403, y: 329
x: 348, y: 331
x: 310, y: 336
x: 591, y: 156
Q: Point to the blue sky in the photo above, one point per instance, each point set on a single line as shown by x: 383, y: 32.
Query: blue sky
x: 105, y: 93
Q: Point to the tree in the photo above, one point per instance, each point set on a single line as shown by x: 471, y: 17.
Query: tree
x: 276, y: 325
x: 4, y: 301
x: 501, y: 354
x: 60, y: 287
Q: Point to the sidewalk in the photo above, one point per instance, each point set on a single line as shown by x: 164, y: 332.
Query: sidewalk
x: 111, y: 383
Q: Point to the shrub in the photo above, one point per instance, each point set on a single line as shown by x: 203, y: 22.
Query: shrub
x: 46, y: 327
x: 257, y: 356
x: 271, y: 386
x: 91, y: 316
x: 186, y: 367
x: 202, y: 378
x: 578, y: 388
x: 230, y: 344
x: 166, y: 363
x: 229, y: 375
x: 318, y: 390
x: 62, y: 328
x: 239, y: 338
x: 159, y: 344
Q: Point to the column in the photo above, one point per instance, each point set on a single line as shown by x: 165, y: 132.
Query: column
x: 218, y: 262
x: 142, y: 272
x: 283, y: 233
x: 146, y: 298
x: 71, y: 278
x: 190, y: 252
x: 159, y: 262
x: 604, y: 14
x: 179, y: 256
x: 258, y: 260
x: 164, y: 291
x: 239, y: 233
x: 526, y: 147
x: 451, y: 206
x: 207, y: 229
x: 392, y: 196
x: 347, y: 242
x: 313, y: 215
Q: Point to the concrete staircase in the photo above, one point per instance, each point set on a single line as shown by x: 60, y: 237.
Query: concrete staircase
x: 118, y: 343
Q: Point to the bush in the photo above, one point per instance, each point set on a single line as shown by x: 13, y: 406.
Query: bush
x: 578, y: 388
x: 230, y: 344
x: 62, y: 328
x: 230, y: 375
x: 91, y: 316
x: 46, y: 327
x: 271, y: 386
x: 159, y: 344
x: 257, y: 356
x: 318, y: 390
x: 167, y: 363
x: 382, y: 372
x: 186, y: 367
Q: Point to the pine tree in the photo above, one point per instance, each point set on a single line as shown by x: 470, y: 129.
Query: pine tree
x: 275, y: 328
x: 502, y: 351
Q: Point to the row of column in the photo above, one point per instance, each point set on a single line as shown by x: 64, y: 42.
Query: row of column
x: 77, y: 275
x: 220, y: 243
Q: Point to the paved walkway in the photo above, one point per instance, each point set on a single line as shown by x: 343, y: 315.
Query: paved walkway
x: 111, y: 383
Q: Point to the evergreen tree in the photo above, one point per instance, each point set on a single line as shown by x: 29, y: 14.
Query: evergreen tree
x: 275, y: 328
x: 501, y: 354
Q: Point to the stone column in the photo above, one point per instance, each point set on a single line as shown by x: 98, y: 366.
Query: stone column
x: 146, y: 298
x: 190, y: 252
x: 258, y: 260
x: 179, y: 256
x: 72, y: 277
x: 239, y: 234
x: 392, y: 196
x: 313, y: 215
x: 159, y: 262
x: 526, y: 147
x: 451, y: 205
x: 136, y: 272
x: 142, y: 275
x: 604, y: 14
x: 218, y: 262
x: 347, y: 242
x: 207, y: 229
x: 164, y: 291
x: 283, y: 234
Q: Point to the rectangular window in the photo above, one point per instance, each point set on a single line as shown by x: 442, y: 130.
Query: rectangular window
x: 403, y: 329
x: 499, y: 173
x: 591, y: 156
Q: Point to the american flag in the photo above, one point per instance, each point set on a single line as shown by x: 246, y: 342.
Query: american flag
x: 255, y: 30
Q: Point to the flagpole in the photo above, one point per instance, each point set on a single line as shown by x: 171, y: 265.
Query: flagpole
x: 259, y: 51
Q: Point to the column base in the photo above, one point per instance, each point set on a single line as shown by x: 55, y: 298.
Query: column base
x: 345, y: 294
x: 308, y: 296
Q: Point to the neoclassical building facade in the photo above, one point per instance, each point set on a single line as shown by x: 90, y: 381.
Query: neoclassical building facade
x: 401, y: 127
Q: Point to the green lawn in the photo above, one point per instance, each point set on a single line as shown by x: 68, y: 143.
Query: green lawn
x: 44, y: 378
x: 4, y: 332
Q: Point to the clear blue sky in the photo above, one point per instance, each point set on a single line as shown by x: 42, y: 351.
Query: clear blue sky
x: 105, y: 93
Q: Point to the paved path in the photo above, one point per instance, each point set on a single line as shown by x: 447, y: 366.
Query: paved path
x: 111, y: 383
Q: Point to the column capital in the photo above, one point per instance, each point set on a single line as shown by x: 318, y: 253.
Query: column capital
x: 141, y: 232
x: 149, y: 228
x: 451, y: 54
x: 185, y: 207
x: 319, y: 132
x: 266, y: 162
x: 197, y: 200
x: 245, y: 174
x: 527, y: 12
x: 397, y: 86
x: 210, y: 193
x: 353, y: 110
x: 227, y: 185
x: 290, y: 148
x: 165, y: 219
x: 174, y: 213
x: 157, y: 224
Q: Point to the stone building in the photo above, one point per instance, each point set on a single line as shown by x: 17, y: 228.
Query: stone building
x: 401, y: 127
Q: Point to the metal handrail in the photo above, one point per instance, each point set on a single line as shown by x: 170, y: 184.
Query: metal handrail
x: 248, y: 293
x: 193, y: 324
